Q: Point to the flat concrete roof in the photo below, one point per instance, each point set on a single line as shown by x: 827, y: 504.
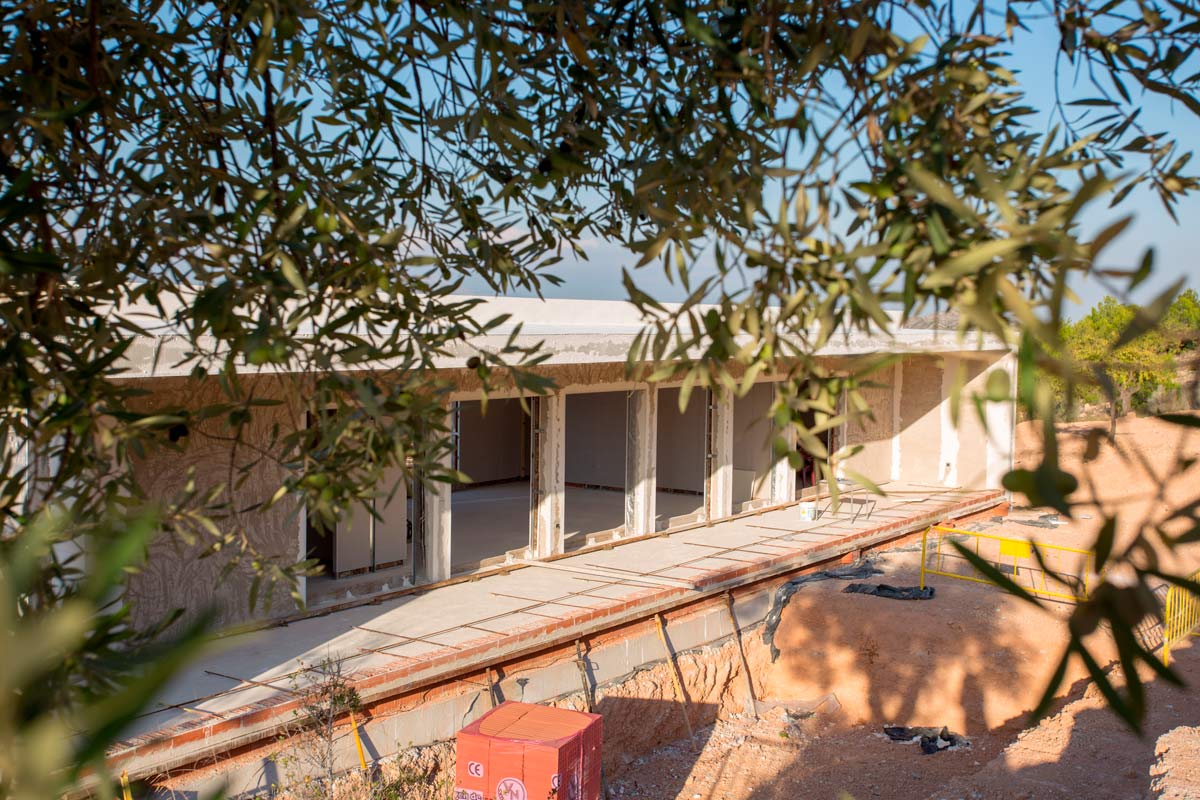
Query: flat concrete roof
x: 569, y: 331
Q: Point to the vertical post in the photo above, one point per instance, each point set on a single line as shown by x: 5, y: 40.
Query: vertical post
x: 718, y: 501
x: 1001, y: 427
x: 362, y: 758
x: 437, y: 520
x: 641, y: 456
x: 897, y: 389
x: 839, y: 437
x: 924, y: 547
x: 948, y: 453
x: 783, y: 474
x: 1168, y: 626
x: 751, y: 702
x: 676, y: 677
x: 416, y: 530
x: 548, y: 479
x: 302, y: 581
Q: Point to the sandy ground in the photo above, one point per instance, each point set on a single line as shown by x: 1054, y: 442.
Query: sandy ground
x: 973, y: 659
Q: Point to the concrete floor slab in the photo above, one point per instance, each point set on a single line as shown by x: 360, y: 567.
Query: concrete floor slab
x: 458, y: 636
x: 414, y: 650
x: 451, y: 623
x: 620, y: 591
x: 512, y: 623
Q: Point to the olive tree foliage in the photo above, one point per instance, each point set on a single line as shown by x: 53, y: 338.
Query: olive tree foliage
x: 297, y: 189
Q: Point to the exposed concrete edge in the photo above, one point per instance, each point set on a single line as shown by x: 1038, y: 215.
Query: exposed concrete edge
x: 201, y: 745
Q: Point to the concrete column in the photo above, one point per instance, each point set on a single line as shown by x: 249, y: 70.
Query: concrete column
x: 302, y: 524
x: 437, y: 522
x: 641, y: 458
x: 840, y: 437
x: 718, y: 500
x: 1001, y: 426
x: 783, y: 474
x: 897, y: 388
x: 948, y: 459
x: 549, y: 476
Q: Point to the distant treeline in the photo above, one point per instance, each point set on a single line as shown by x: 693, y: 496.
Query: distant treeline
x: 1153, y: 372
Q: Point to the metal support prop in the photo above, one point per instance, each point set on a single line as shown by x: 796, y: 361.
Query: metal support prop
x: 751, y: 702
x: 362, y: 759
x: 125, y: 793
x: 676, y: 677
x: 491, y: 688
x: 588, y: 697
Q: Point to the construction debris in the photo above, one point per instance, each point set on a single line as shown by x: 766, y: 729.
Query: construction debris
x: 932, y: 740
x: 1050, y: 521
x: 891, y: 592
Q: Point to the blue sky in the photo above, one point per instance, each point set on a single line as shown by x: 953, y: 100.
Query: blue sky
x: 1177, y: 246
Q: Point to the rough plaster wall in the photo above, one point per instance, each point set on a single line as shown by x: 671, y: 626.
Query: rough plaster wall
x: 752, y: 446
x: 680, y: 442
x: 874, y: 461
x: 174, y: 577
x: 920, y: 420
x: 972, y: 435
x: 490, y: 444
x: 596, y: 438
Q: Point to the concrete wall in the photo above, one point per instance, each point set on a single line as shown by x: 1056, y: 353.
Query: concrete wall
x: 753, y: 433
x: 490, y: 446
x: 921, y: 420
x: 174, y: 577
x: 680, y: 442
x: 972, y: 458
x: 874, y: 433
x: 596, y: 439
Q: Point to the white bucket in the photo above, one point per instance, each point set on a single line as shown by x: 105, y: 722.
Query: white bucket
x: 808, y: 511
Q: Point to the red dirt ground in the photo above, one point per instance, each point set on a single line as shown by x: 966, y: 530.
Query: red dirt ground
x: 973, y: 659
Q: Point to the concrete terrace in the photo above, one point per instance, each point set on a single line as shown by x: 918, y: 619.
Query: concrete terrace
x: 245, y: 692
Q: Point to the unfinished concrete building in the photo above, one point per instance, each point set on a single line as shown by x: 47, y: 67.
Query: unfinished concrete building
x: 588, y: 511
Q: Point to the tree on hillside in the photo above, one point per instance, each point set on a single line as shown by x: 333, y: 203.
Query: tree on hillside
x: 303, y: 185
x: 1181, y: 325
x: 1135, y: 369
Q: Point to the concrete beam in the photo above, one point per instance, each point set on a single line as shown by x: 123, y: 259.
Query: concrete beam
x: 718, y: 489
x: 641, y: 458
x: 549, y: 475
x: 437, y: 522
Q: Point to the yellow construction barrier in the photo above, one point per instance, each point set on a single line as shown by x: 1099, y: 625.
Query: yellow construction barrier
x: 1013, y: 557
x: 1181, y: 618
